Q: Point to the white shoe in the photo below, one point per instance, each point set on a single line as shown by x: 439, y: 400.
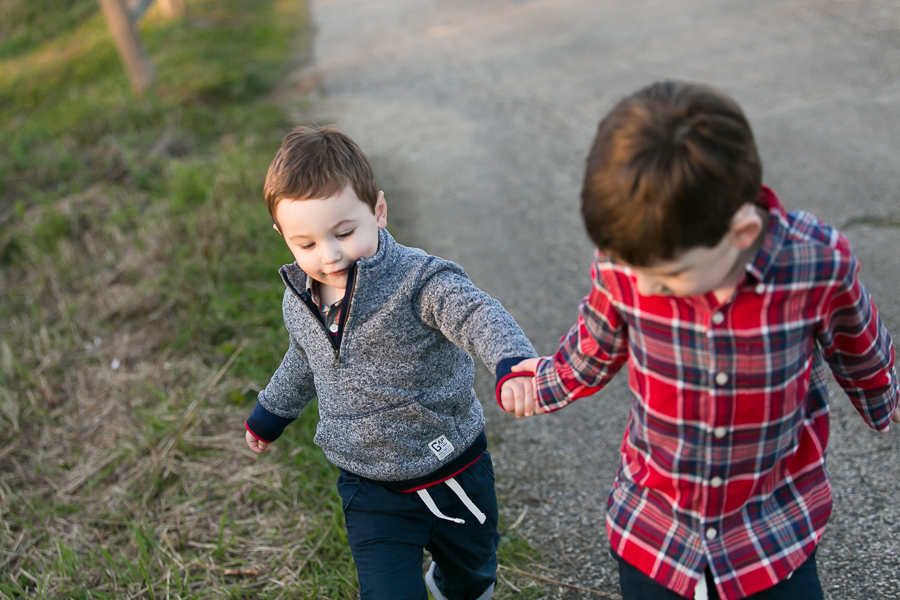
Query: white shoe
x: 432, y: 586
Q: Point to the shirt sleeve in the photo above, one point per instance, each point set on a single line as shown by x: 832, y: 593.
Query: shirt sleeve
x: 471, y: 319
x: 589, y: 355
x: 857, y: 347
x: 289, y: 391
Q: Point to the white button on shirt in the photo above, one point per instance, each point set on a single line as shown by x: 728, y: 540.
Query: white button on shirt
x: 720, y: 432
x: 711, y: 533
x: 716, y: 482
x: 721, y: 378
x: 333, y: 328
x: 760, y: 288
x: 718, y: 318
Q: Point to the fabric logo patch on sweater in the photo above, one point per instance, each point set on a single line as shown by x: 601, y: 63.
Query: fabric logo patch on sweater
x: 441, y: 447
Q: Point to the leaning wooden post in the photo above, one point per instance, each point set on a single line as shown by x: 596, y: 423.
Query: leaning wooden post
x: 131, y: 50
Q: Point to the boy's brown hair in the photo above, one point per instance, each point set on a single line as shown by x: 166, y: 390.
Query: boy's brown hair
x: 318, y: 162
x: 669, y: 167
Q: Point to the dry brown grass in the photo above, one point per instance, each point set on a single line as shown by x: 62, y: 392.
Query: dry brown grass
x: 111, y: 442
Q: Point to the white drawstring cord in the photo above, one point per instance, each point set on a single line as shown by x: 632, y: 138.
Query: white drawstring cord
x: 426, y: 498
x: 457, y: 489
x: 465, y: 500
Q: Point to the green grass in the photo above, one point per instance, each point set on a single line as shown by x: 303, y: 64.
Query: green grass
x: 140, y: 314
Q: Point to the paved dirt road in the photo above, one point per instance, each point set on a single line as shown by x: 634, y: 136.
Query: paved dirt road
x: 477, y: 115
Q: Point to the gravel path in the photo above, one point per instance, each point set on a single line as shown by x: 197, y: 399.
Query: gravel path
x: 477, y: 115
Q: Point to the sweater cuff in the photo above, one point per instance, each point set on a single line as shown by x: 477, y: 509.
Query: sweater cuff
x: 504, y: 373
x: 265, y: 426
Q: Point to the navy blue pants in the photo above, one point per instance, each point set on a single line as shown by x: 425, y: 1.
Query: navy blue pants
x: 802, y: 585
x: 387, y: 531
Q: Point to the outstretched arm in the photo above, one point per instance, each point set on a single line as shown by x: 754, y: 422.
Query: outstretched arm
x: 289, y: 391
x: 859, y: 350
x: 591, y: 353
x: 471, y: 319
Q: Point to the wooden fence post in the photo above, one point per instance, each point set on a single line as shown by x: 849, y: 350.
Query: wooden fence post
x: 131, y: 50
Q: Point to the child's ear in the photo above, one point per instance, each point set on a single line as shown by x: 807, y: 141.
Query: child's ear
x: 746, y: 226
x: 275, y: 227
x: 381, y: 211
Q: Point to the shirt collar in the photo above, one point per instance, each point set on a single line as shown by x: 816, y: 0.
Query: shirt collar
x: 775, y: 234
x: 312, y: 289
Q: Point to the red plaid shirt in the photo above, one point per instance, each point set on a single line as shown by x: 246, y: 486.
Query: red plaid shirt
x: 723, y: 460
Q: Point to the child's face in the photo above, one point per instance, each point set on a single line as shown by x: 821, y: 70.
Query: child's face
x: 327, y: 235
x: 692, y: 273
x: 702, y: 270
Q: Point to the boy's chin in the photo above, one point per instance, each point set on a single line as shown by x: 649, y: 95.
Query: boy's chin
x: 338, y: 281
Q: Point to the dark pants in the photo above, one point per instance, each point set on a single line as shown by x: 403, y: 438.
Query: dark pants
x: 802, y: 585
x: 387, y: 531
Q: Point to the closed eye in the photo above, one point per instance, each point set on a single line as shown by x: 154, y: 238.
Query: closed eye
x: 345, y: 235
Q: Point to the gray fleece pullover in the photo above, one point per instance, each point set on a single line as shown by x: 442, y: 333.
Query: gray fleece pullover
x: 400, y: 376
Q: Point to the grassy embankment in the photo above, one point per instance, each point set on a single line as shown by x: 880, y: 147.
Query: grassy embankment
x: 140, y: 313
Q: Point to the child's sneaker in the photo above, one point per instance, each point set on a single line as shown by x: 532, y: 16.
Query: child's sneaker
x: 432, y: 586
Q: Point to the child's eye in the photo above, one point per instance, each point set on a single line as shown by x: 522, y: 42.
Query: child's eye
x: 345, y: 235
x: 309, y: 246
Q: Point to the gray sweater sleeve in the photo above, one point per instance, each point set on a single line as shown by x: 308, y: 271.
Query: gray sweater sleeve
x: 289, y: 391
x: 291, y: 387
x: 470, y: 318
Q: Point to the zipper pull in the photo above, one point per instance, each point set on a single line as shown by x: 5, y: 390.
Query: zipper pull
x: 337, y: 358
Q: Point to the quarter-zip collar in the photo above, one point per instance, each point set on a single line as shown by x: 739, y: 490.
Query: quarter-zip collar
x: 365, y: 269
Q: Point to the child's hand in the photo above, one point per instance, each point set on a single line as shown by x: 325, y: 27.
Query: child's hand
x: 895, y: 417
x: 255, y: 444
x: 517, y: 394
x: 529, y: 365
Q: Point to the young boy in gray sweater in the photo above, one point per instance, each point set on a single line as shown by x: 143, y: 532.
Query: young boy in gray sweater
x: 381, y: 334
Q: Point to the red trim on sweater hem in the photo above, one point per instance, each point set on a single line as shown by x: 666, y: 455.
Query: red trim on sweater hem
x: 442, y: 480
x: 506, y: 378
x: 247, y: 427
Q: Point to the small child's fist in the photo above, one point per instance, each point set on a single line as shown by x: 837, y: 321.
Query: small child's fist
x: 257, y: 445
x: 895, y: 417
x: 517, y: 397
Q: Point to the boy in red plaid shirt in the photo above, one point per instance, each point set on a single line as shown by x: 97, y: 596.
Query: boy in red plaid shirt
x: 728, y: 312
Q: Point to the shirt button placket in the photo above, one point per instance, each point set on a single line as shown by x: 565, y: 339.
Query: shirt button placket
x: 721, y: 379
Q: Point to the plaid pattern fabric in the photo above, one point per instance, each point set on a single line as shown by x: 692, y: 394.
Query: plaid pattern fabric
x: 329, y: 312
x: 723, y: 461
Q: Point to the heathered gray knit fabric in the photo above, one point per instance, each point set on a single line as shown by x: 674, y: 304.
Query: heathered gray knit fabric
x: 403, y: 376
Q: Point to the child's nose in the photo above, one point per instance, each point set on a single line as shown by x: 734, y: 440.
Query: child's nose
x: 329, y: 254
